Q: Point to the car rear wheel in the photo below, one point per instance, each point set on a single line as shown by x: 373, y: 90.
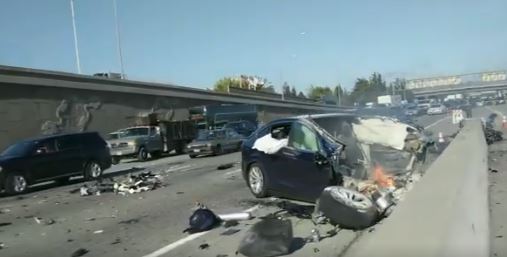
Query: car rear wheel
x: 93, y: 170
x: 16, y: 183
x: 142, y: 155
x: 257, y: 181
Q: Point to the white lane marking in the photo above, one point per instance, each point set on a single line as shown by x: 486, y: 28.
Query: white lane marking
x: 173, y: 246
x: 185, y: 240
x: 436, y: 122
x: 232, y: 172
x: 177, y: 167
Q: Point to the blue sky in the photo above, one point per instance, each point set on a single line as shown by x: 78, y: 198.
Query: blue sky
x: 320, y: 42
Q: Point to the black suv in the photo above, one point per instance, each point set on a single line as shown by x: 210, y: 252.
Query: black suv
x: 56, y: 157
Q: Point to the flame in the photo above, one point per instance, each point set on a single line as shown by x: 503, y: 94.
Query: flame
x: 381, y: 178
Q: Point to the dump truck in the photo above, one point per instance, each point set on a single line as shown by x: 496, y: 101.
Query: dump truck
x: 151, y: 138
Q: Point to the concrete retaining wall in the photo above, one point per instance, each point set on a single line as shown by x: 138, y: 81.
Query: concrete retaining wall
x: 446, y: 214
x: 34, y: 102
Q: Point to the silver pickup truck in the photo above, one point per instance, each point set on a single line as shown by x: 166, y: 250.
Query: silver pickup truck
x: 143, y: 141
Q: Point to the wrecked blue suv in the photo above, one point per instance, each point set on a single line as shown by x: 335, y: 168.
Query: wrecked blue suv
x: 299, y: 170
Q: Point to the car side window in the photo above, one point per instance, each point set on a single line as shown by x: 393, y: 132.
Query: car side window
x: 67, y: 143
x: 45, y: 147
x: 303, y: 138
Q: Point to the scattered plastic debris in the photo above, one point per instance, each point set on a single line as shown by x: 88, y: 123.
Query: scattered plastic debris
x: 143, y: 182
x: 5, y: 224
x: 98, y: 231
x: 80, y: 252
x: 2, y: 246
x: 493, y: 170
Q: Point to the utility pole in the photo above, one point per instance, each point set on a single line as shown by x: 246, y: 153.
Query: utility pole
x: 118, y: 40
x: 76, y: 49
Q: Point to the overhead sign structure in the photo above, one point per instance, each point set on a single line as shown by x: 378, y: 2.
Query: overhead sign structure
x: 494, y: 76
x: 433, y: 82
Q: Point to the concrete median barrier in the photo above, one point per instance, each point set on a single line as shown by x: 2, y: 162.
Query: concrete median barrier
x: 446, y: 214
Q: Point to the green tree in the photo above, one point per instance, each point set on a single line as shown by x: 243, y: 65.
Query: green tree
x: 316, y: 92
x: 286, y: 89
x: 223, y: 84
x: 362, y: 91
x: 293, y: 92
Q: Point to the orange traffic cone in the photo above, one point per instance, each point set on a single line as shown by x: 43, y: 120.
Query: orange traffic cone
x: 441, y: 137
x: 504, y: 122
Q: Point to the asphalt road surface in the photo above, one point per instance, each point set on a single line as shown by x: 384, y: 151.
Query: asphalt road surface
x: 151, y: 223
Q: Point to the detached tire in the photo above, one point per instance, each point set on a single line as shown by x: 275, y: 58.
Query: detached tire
x: 142, y: 154
x: 347, y: 208
x: 257, y: 181
x: 16, y: 183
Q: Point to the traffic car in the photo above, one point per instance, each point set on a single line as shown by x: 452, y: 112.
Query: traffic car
x: 214, y: 142
x: 56, y: 157
x: 437, y: 109
x: 298, y: 157
x: 412, y: 110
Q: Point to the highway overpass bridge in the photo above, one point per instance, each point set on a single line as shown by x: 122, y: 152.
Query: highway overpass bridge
x: 466, y: 83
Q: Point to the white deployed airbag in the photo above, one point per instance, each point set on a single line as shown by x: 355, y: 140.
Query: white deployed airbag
x: 385, y: 132
x: 269, y: 145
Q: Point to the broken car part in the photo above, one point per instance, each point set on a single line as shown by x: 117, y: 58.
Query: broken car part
x: 202, y: 219
x: 266, y: 238
x: 347, y: 208
x: 235, y: 216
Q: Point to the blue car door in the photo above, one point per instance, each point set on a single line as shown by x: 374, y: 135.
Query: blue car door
x: 307, y: 171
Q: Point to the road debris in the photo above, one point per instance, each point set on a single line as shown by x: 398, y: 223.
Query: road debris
x: 98, y: 231
x: 130, y: 221
x: 202, y: 219
x: 204, y: 246
x: 116, y: 241
x: 235, y: 216
x: 44, y: 221
x: 145, y: 181
x: 268, y: 237
x: 5, y: 224
x: 493, y: 170
x: 80, y: 252
x: 225, y: 166
x: 2, y: 245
